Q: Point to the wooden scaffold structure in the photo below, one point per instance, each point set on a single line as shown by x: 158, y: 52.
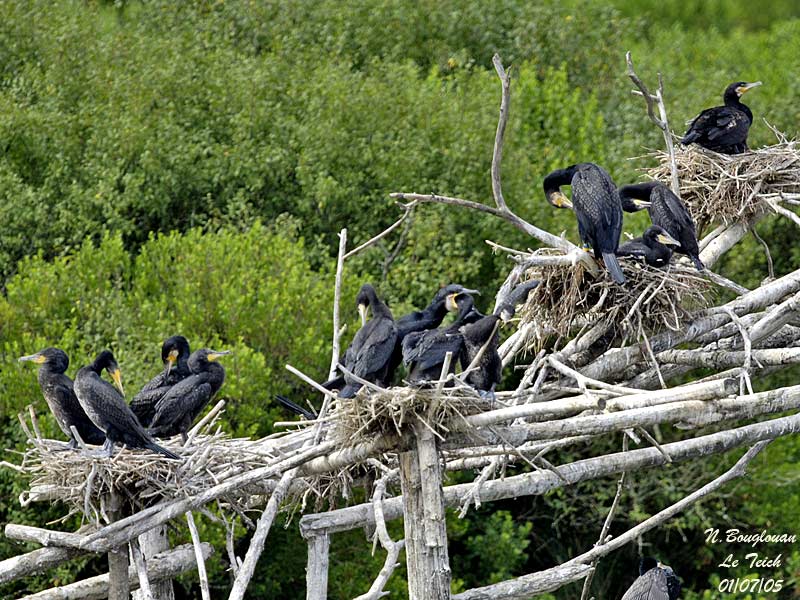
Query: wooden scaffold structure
x: 606, y: 367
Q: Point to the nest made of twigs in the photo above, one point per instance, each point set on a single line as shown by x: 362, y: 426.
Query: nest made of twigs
x: 83, y: 478
x: 651, y: 300
x: 725, y: 189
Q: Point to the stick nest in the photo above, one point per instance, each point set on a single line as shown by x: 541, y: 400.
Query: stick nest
x: 733, y: 188
x: 650, y: 301
x: 83, y: 478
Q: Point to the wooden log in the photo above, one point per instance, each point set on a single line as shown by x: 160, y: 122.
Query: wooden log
x: 153, y: 542
x: 425, y: 528
x: 723, y: 359
x: 46, y: 537
x: 35, y: 562
x: 524, y: 587
x: 317, y: 567
x: 119, y: 587
x: 540, y: 482
x: 161, y: 567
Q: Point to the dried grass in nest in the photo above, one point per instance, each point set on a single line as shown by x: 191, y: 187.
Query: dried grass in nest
x: 83, y: 478
x: 726, y: 188
x: 651, y: 300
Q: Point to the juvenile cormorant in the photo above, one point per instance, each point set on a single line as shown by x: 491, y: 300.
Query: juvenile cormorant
x: 488, y: 372
x: 424, y: 351
x: 175, y: 356
x: 107, y: 408
x: 597, y: 207
x: 184, y: 401
x: 370, y: 354
x: 723, y: 128
x: 652, y: 247
x: 667, y: 211
x: 60, y: 396
x: 655, y: 582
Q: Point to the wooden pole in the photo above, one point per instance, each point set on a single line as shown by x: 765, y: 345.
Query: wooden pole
x: 155, y: 542
x: 425, y: 528
x: 317, y: 567
x: 118, y: 584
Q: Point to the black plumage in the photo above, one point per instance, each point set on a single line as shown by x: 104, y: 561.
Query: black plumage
x: 655, y: 582
x: 666, y: 210
x: 723, y: 128
x: 653, y: 247
x: 597, y: 207
x: 107, y: 408
x: 487, y: 372
x: 369, y: 356
x: 424, y: 352
x: 175, y: 356
x: 184, y: 401
x: 60, y: 396
x: 295, y: 408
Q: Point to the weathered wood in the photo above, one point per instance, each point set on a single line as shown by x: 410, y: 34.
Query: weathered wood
x: 35, y: 562
x: 524, y: 587
x: 425, y: 528
x: 118, y: 583
x: 46, y: 537
x: 153, y: 542
x: 317, y: 567
x: 161, y: 567
x: 540, y: 482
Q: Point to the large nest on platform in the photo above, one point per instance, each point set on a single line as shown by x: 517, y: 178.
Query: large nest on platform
x: 83, y: 478
x: 726, y: 188
x: 651, y: 300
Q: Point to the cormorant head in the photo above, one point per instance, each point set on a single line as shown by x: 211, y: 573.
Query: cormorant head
x: 631, y: 200
x: 659, y: 234
x: 55, y: 359
x: 736, y: 90
x: 453, y: 288
x: 105, y: 360
x: 172, y: 349
x: 558, y: 199
x: 455, y: 301
x: 552, y: 184
x: 200, y: 358
x: 363, y: 301
x: 647, y: 563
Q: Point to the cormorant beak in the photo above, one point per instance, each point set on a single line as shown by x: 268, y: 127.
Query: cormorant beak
x: 116, y: 375
x: 641, y: 203
x: 362, y: 312
x: 559, y: 200
x: 172, y: 358
x: 469, y: 291
x: 746, y: 87
x: 450, y: 303
x: 214, y: 354
x: 666, y: 238
x: 38, y: 358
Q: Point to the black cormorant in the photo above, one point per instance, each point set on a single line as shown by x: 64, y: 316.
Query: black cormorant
x: 488, y: 371
x: 597, y: 207
x: 723, y: 128
x: 667, y: 211
x: 295, y: 408
x: 370, y: 354
x: 175, y: 356
x: 58, y: 391
x: 655, y: 582
x: 184, y: 401
x: 653, y: 247
x: 107, y: 408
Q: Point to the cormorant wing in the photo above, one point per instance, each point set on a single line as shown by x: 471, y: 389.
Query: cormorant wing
x: 636, y: 247
x: 650, y: 586
x: 156, y: 382
x: 186, y: 397
x: 677, y: 210
x: 144, y: 403
x: 375, y: 347
x: 433, y: 350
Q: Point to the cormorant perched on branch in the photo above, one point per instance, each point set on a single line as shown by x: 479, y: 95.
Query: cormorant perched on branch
x: 667, y: 211
x: 370, y: 354
x: 655, y: 582
x: 107, y: 408
x: 485, y: 331
x: 424, y: 351
x: 184, y: 401
x: 175, y: 356
x: 58, y: 391
x: 723, y: 128
x: 652, y: 247
x: 597, y: 207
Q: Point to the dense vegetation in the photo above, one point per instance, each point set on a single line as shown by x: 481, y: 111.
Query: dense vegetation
x: 184, y: 167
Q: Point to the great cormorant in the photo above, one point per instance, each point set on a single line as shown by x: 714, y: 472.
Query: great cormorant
x: 597, y: 207
x: 653, y: 247
x: 655, y: 582
x: 424, y: 351
x: 107, y: 408
x: 667, y: 211
x: 184, y: 401
x: 723, y: 128
x: 488, y: 371
x: 175, y: 356
x: 58, y: 391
